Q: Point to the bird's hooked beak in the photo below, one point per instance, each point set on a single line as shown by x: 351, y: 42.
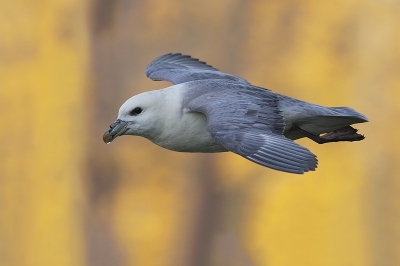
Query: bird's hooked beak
x: 117, y: 128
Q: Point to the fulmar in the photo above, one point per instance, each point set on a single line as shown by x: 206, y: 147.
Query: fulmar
x: 208, y: 111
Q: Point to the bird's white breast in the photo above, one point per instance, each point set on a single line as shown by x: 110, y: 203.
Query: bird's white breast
x: 183, y: 129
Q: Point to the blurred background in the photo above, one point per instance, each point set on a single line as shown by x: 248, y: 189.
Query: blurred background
x: 66, y: 198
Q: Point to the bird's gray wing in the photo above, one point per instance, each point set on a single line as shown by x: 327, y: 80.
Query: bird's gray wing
x: 178, y: 68
x: 246, y: 120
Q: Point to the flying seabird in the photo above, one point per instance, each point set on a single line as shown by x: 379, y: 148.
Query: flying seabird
x: 207, y: 110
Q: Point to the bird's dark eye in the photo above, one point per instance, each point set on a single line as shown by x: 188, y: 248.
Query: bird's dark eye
x: 136, y: 111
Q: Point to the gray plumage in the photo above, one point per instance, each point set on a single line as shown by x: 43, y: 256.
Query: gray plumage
x: 178, y: 68
x: 211, y: 111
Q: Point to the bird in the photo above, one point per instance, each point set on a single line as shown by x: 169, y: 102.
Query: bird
x: 209, y: 111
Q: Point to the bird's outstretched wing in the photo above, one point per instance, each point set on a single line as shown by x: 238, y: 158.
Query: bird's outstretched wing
x: 178, y: 68
x: 246, y: 120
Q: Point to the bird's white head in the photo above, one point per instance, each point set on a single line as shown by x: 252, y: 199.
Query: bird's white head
x: 138, y: 116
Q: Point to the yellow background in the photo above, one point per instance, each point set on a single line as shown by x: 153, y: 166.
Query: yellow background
x: 66, y: 198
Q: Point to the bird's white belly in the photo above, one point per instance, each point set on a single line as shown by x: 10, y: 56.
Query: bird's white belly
x: 189, y: 134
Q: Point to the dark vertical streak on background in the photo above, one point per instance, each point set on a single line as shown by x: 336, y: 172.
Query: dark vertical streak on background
x: 209, y: 213
x: 102, y: 170
x: 236, y: 37
x: 212, y: 198
x: 102, y: 15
